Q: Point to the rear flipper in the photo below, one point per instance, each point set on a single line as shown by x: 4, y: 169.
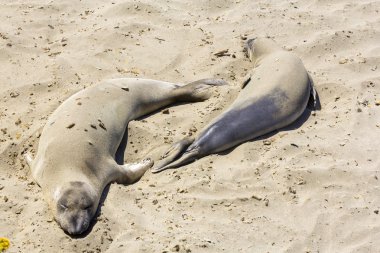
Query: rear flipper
x: 178, y: 154
x: 198, y: 90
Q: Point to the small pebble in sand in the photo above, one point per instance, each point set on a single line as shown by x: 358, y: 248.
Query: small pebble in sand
x: 243, y: 37
x: 256, y: 197
x: 101, y: 124
x: 222, y: 53
x: 292, y: 190
x: 176, y: 248
x: 343, y: 61
x: 166, y: 111
x: 71, y: 125
x: 267, y: 142
x: 14, y: 94
x: 193, y: 129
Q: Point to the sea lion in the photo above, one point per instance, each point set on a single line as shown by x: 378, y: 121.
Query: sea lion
x: 274, y: 96
x: 79, y: 150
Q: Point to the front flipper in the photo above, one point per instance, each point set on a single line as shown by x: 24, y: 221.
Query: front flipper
x: 132, y: 172
x: 35, y: 170
x: 313, y: 103
x: 173, y: 153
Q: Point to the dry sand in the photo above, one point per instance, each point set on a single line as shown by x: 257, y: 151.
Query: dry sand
x: 318, y: 183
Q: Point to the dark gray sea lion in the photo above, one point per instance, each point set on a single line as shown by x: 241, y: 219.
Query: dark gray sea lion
x: 77, y: 152
x: 274, y: 96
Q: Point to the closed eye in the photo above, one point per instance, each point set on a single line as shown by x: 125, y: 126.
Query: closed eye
x: 63, y: 206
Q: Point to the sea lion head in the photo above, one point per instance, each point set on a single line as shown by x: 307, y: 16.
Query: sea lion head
x: 76, y: 204
x: 259, y: 47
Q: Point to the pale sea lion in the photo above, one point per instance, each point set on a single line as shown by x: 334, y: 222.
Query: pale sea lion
x: 80, y: 150
x: 274, y: 96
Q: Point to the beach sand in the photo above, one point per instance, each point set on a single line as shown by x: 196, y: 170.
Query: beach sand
x: 314, y: 188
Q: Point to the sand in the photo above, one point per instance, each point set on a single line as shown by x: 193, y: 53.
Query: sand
x: 314, y: 188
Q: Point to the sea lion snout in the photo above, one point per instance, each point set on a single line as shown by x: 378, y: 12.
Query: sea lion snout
x: 74, y: 222
x: 75, y: 208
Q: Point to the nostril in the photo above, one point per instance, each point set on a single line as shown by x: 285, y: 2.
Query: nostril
x: 81, y: 227
x: 76, y: 229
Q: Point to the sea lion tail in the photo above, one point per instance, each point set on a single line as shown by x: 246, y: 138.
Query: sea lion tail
x: 173, y: 153
x: 185, y: 159
x: 188, y: 156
